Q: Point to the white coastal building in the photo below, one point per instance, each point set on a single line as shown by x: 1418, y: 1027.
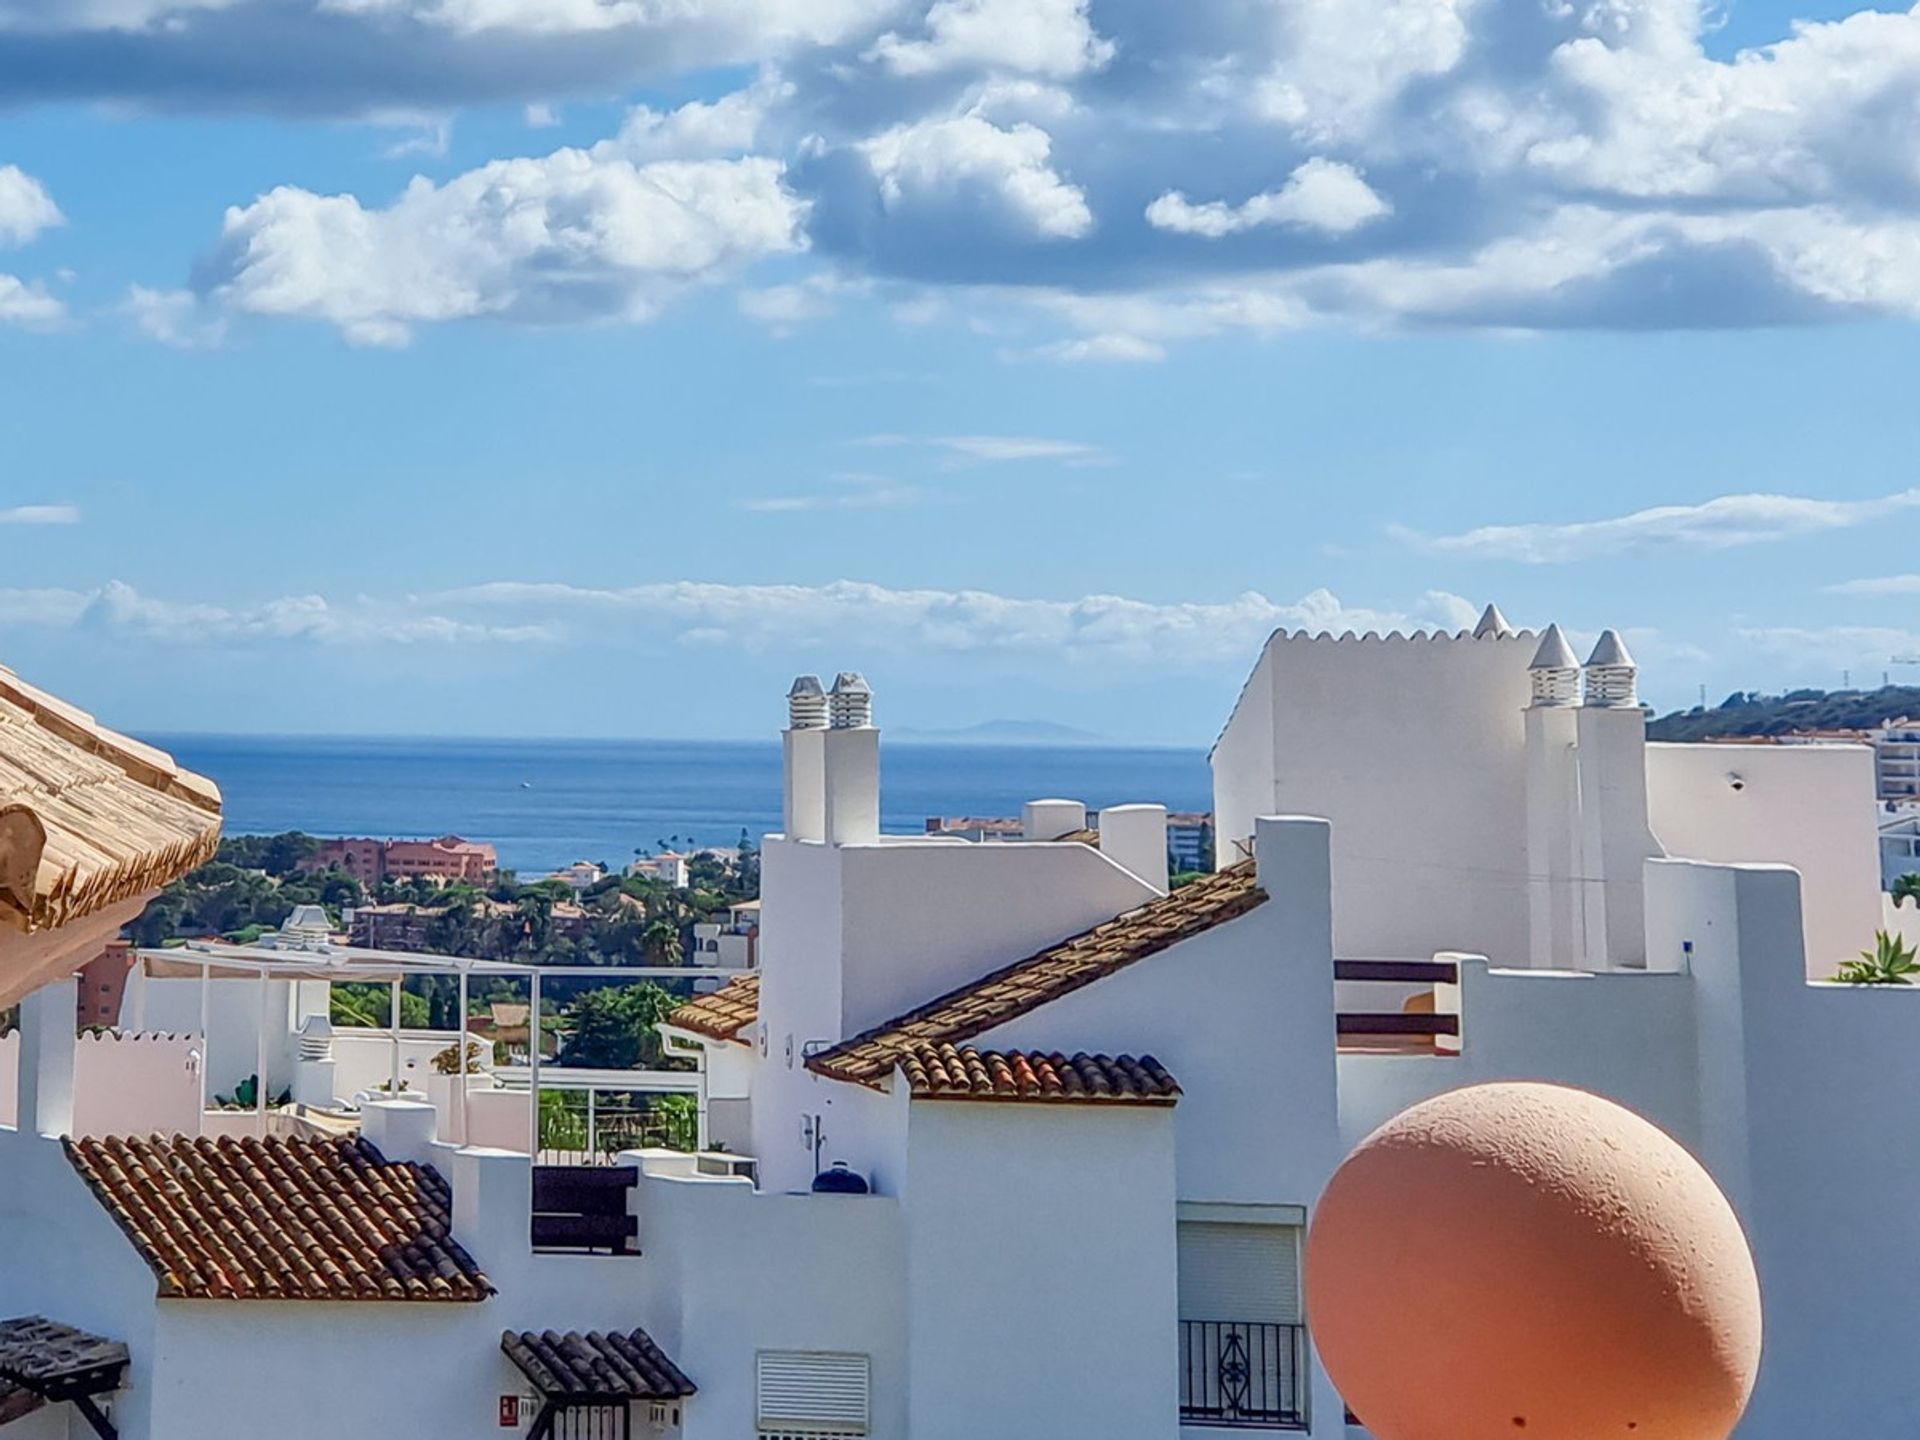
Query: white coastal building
x: 1009, y: 1138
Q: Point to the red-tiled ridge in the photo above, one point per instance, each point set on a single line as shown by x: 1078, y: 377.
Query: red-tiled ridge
x: 281, y: 1218
x: 1111, y: 946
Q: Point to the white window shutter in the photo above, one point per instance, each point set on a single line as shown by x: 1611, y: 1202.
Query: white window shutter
x: 812, y: 1393
x: 1239, y: 1272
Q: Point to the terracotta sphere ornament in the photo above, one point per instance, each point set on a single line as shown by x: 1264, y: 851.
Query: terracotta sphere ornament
x: 1534, y: 1262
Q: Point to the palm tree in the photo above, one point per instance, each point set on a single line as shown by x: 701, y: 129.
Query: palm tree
x: 662, y: 943
x: 1892, y: 961
x: 1907, y: 887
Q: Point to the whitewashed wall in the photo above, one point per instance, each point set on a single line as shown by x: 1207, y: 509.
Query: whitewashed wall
x: 62, y: 1257
x: 854, y: 935
x: 1041, y: 1271
x: 136, y: 1085
x: 734, y: 1272
x: 1625, y: 1034
x: 122, y: 1084
x: 363, y: 1059
x: 1808, y: 806
x: 1415, y: 749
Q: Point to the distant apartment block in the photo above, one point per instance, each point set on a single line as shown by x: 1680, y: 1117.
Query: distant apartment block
x: 669, y: 867
x: 974, y: 827
x: 1896, y: 759
x: 733, y: 944
x: 102, y: 982
x: 446, y: 859
x: 411, y: 927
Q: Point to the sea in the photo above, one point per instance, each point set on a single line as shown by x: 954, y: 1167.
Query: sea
x: 546, y: 803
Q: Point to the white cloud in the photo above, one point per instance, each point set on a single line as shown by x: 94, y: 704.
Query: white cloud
x: 540, y: 116
x: 854, y: 492
x: 118, y: 608
x: 575, y: 235
x: 28, y: 304
x: 1717, y: 524
x: 40, y: 515
x: 26, y: 209
x: 1559, y: 164
x: 178, y: 318
x: 1107, y: 630
x: 1320, y: 195
x: 1108, y: 346
x: 1101, y: 631
x: 1035, y: 37
x: 1878, y: 585
x: 966, y: 162
x: 996, y: 449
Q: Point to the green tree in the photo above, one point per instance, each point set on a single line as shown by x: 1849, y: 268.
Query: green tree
x: 1892, y: 961
x: 1907, y: 887
x: 614, y: 1027
x: 661, y: 943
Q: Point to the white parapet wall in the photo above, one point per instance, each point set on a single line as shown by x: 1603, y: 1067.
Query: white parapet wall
x: 1626, y: 1034
x: 123, y: 1084
x: 1807, y: 806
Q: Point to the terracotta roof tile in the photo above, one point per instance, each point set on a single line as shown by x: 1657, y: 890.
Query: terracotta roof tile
x: 88, y: 818
x: 1025, y: 985
x: 628, y: 1366
x: 948, y: 1072
x: 282, y: 1218
x: 723, y: 1014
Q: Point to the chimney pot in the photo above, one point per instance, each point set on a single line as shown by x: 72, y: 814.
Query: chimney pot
x: 851, y: 704
x: 806, y: 704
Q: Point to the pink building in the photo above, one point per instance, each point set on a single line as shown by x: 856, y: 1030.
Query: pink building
x: 371, y: 861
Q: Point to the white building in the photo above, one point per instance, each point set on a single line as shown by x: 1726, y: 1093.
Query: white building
x: 580, y: 875
x: 669, y: 867
x: 730, y: 944
x: 1089, y: 1117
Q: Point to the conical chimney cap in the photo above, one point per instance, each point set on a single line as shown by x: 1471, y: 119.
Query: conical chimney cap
x: 1610, y: 651
x: 1492, y: 623
x: 1554, y: 652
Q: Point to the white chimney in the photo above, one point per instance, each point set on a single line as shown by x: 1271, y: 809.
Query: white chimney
x: 1134, y: 837
x: 1611, y: 673
x: 1050, y: 819
x: 313, y: 1076
x: 852, y: 763
x: 804, y: 812
x: 1555, y: 671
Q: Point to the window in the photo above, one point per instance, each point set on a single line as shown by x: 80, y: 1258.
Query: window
x: 810, y: 1394
x: 1243, y: 1358
x: 1231, y: 1271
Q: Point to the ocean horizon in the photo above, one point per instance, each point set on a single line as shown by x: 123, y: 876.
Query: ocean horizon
x: 544, y: 803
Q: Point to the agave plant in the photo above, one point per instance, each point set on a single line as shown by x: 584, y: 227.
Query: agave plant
x: 1892, y: 961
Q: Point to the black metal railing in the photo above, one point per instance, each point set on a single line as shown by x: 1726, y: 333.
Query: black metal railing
x: 1243, y: 1373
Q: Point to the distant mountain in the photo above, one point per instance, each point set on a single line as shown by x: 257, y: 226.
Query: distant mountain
x: 1004, y: 732
x: 1749, y: 713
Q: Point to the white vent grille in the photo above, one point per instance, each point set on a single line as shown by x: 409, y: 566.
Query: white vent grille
x: 811, y: 1393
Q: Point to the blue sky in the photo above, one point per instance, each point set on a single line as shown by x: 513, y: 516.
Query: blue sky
x: 590, y: 366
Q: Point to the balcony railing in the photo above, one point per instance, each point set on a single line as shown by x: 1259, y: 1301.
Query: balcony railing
x: 1243, y: 1374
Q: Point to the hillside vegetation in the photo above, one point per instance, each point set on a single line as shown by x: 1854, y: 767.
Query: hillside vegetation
x: 1750, y: 713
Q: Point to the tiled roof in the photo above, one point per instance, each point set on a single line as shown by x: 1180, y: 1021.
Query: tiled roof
x: 948, y: 1072
x: 1087, y: 836
x: 88, y: 818
x: 1027, y: 984
x: 282, y: 1218
x: 596, y: 1365
x: 723, y: 1014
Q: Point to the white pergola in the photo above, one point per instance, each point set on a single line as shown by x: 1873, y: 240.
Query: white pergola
x: 346, y: 963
